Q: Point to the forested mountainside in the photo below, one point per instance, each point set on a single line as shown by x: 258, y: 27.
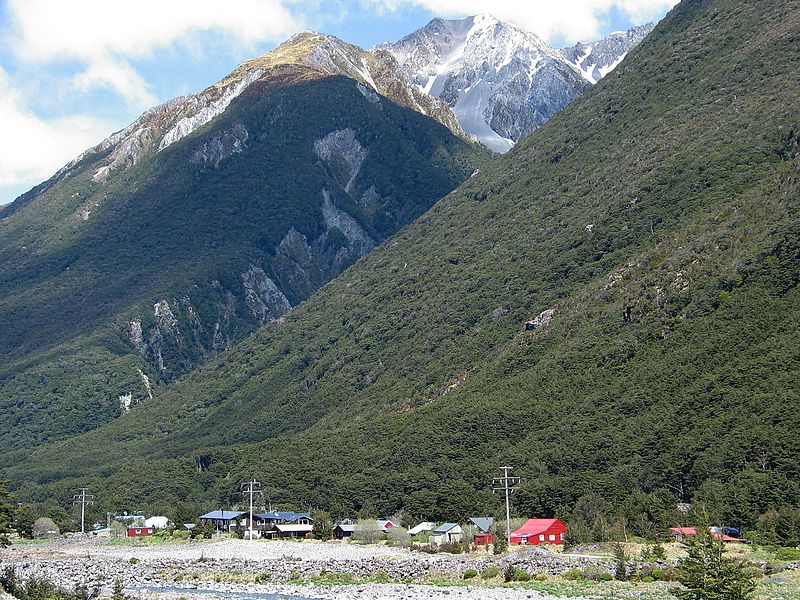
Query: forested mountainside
x: 649, y: 237
x: 208, y: 217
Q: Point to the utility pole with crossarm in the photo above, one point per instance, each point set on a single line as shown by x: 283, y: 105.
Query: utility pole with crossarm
x: 83, y: 499
x: 251, y: 487
x: 506, y: 484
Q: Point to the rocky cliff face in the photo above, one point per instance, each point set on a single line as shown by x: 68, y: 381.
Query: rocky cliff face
x: 503, y: 82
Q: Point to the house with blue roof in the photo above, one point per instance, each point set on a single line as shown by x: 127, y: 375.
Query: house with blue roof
x: 225, y: 520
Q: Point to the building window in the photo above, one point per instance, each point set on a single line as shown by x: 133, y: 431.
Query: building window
x: 541, y: 537
x: 561, y: 536
x: 552, y: 537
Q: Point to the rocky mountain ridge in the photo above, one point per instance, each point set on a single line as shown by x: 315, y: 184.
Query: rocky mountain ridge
x: 502, y: 81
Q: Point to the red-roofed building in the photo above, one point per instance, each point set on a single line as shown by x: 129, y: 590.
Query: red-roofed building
x: 540, y: 531
x: 681, y: 533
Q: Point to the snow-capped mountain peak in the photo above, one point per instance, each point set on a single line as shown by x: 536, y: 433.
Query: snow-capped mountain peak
x: 502, y: 81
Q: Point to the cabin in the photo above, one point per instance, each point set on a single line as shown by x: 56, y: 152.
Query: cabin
x: 483, y: 526
x: 681, y: 533
x: 423, y: 527
x: 447, y: 534
x: 540, y: 531
x: 223, y: 520
x: 345, y: 529
x: 134, y: 532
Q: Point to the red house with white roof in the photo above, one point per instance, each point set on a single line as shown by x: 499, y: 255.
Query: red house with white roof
x: 540, y: 531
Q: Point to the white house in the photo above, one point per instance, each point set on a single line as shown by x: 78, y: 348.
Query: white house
x: 447, y: 533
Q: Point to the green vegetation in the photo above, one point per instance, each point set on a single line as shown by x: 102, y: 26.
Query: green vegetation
x: 6, y: 513
x: 406, y: 381
x: 36, y: 588
x: 707, y: 574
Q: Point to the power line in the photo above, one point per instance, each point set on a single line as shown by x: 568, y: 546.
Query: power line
x: 506, y: 484
x: 83, y: 499
x: 252, y: 487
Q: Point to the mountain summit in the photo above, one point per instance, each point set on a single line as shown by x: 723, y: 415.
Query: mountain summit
x: 502, y: 81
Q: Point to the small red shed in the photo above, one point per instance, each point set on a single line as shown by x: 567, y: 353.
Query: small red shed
x: 540, y: 531
x: 483, y: 539
x: 139, y: 531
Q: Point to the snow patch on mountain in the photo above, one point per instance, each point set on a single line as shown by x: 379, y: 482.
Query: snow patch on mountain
x: 595, y: 60
x: 501, y: 81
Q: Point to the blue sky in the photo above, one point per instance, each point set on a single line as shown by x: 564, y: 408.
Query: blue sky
x: 74, y: 71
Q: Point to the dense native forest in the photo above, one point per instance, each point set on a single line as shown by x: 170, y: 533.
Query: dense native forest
x: 657, y: 218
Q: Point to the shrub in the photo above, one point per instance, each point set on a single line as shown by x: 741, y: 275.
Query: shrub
x: 509, y: 573
x: 787, y: 554
x: 262, y: 577
x: 573, y: 574
x: 606, y: 577
x: 470, y: 573
x: 490, y: 572
x: 133, y: 560
x: 522, y: 575
x: 380, y: 576
x: 540, y: 577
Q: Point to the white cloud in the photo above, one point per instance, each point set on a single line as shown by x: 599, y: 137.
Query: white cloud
x: 89, y: 29
x: 572, y: 20
x: 105, y: 35
x: 33, y: 149
x: 118, y: 76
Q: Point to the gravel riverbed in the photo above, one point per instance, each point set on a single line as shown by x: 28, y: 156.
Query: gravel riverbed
x: 229, y: 568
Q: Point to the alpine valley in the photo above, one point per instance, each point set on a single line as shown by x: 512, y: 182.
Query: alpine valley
x: 612, y: 306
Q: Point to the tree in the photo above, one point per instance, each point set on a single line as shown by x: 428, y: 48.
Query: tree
x: 323, y: 524
x: 45, y: 527
x: 6, y: 514
x: 24, y: 520
x: 621, y: 563
x: 707, y: 574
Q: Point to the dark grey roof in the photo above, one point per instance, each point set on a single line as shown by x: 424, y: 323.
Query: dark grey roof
x: 445, y: 528
x: 482, y: 523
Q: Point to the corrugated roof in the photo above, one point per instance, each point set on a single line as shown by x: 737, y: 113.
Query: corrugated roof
x: 222, y: 515
x: 445, y: 528
x: 424, y: 526
x: 286, y: 516
x: 482, y: 523
x: 534, y: 527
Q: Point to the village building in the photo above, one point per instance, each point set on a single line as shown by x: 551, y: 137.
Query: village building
x: 447, y: 533
x: 133, y: 532
x: 483, y: 526
x: 681, y: 533
x: 157, y: 522
x: 345, y: 529
x: 540, y: 531
x: 422, y: 528
x: 224, y: 520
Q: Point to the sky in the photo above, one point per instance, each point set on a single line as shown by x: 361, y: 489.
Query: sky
x: 74, y: 71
